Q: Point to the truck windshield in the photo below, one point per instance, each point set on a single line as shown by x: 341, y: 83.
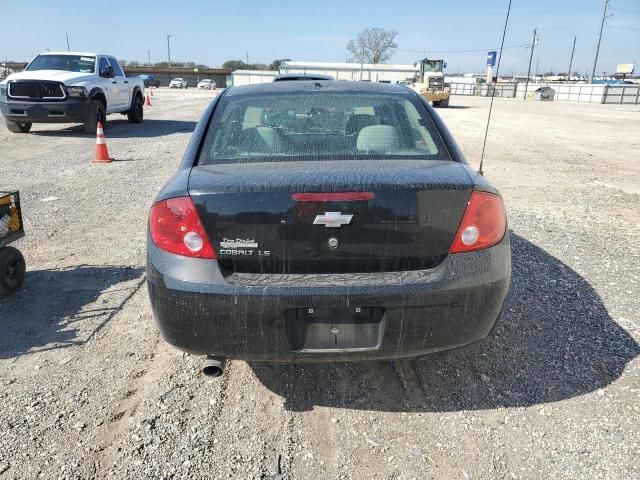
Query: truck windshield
x: 329, y: 126
x: 433, y: 66
x: 70, y: 63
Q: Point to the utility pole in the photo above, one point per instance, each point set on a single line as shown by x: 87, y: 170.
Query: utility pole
x: 67, y: 35
x: 532, y: 46
x: 149, y: 56
x: 169, y: 49
x: 571, y: 61
x: 595, y: 58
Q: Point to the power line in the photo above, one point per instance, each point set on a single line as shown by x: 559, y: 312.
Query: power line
x: 464, y: 51
x: 624, y: 28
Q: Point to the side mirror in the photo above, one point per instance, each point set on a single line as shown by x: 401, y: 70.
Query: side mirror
x: 107, y: 72
x: 445, y: 65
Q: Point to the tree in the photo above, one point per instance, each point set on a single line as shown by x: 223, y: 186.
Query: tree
x: 373, y: 45
x: 234, y: 65
x: 240, y: 65
x: 275, y: 65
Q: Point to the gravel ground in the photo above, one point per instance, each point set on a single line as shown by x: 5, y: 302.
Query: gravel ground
x: 88, y: 390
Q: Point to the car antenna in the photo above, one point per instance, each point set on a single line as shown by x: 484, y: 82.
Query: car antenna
x: 493, y: 93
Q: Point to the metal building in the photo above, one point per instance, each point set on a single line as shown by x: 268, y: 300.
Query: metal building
x: 372, y: 72
x: 249, y: 77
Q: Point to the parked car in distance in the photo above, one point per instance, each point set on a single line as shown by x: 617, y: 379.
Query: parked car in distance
x: 70, y: 87
x: 150, y: 80
x: 325, y: 221
x: 178, y: 83
x: 207, y: 84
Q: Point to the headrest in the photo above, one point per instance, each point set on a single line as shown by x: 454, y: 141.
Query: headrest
x: 358, y: 121
x: 259, y: 140
x: 378, y: 138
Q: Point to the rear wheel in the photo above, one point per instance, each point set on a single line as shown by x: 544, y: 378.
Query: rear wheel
x: 12, y: 270
x: 18, y: 127
x: 96, y: 112
x: 441, y: 103
x: 136, y: 113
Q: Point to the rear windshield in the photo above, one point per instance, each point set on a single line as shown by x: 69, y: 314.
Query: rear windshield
x: 320, y: 126
x: 70, y: 63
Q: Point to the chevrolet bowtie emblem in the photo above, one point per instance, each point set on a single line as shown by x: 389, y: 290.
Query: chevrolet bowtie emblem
x: 332, y: 219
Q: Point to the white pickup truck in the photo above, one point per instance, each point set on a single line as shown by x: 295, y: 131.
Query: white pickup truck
x: 70, y: 87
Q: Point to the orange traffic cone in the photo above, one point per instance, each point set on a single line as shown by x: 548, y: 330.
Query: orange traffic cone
x: 102, y: 154
x: 147, y: 102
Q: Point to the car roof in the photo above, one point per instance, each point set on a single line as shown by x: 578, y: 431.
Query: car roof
x: 303, y: 86
x: 82, y: 54
x: 301, y: 76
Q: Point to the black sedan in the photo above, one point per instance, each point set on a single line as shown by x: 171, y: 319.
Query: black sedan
x: 325, y: 221
x: 150, y: 81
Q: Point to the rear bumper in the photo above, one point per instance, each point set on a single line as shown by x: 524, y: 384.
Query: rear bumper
x: 68, y: 111
x: 244, y: 316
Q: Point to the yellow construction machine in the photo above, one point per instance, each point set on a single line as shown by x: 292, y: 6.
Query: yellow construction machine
x: 429, y: 82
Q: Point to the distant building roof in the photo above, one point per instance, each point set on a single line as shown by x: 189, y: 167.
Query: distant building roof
x: 265, y: 73
x: 352, y: 66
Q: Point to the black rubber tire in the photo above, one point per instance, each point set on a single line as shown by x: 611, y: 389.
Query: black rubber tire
x: 136, y: 113
x: 12, y: 270
x: 444, y: 103
x: 436, y: 104
x: 96, y: 111
x: 18, y: 127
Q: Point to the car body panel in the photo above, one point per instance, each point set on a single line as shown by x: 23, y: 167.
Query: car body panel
x: 255, y: 202
x: 200, y: 310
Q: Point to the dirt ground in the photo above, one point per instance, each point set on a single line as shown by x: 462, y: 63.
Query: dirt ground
x: 88, y: 389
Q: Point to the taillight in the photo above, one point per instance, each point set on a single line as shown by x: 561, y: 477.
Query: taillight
x: 483, y: 223
x: 176, y: 228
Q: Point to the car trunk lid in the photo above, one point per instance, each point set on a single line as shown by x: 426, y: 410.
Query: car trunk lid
x: 329, y: 216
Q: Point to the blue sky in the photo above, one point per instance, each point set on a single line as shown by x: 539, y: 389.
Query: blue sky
x: 211, y: 32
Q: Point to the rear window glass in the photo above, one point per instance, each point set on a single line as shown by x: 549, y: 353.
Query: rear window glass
x: 328, y: 126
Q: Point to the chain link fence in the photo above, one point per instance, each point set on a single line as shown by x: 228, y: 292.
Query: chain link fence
x: 566, y: 92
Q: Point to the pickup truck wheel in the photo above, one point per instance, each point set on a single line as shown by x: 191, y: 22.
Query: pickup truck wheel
x: 96, y: 112
x: 136, y: 113
x: 18, y: 127
x: 12, y: 269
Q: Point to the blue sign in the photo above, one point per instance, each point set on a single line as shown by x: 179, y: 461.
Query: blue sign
x: 491, y: 58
